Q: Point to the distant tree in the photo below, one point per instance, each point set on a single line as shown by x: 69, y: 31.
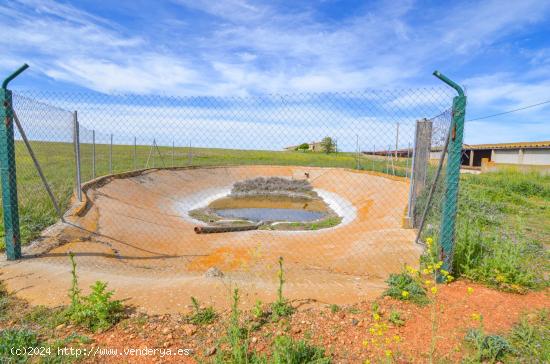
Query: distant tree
x: 302, y: 147
x: 328, y: 145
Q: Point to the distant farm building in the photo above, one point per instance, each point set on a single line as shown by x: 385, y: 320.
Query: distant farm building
x: 312, y: 147
x: 476, y: 156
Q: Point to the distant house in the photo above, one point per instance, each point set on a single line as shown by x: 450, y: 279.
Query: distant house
x: 312, y: 147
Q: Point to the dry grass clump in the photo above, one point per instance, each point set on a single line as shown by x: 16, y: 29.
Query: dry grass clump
x: 273, y: 186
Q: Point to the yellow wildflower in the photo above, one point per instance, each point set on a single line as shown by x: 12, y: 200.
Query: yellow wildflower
x: 397, y: 338
x: 427, y: 282
x: 366, y: 343
x: 405, y: 294
x: 434, y: 289
x: 450, y: 278
x: 388, y: 353
x: 469, y: 290
x: 429, y: 241
x: 476, y: 316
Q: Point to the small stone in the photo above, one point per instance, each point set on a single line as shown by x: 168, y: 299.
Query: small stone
x: 169, y: 337
x: 166, y: 330
x: 59, y: 327
x: 296, y: 330
x: 342, y: 315
x: 254, y: 340
x: 189, y: 329
x: 213, y: 272
x: 166, y: 344
x: 354, y: 321
x: 210, y: 351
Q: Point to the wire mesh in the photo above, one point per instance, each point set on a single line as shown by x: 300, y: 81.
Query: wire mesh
x: 50, y: 134
x: 355, y: 150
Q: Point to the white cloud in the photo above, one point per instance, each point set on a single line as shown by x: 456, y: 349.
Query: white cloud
x: 249, y: 47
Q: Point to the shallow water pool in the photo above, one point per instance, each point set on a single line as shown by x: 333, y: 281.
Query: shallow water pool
x: 271, y: 214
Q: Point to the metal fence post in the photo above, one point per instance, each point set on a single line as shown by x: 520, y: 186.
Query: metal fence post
x: 93, y: 154
x: 173, y: 147
x: 450, y: 199
x: 76, y: 142
x: 153, y: 149
x: 134, y: 154
x: 111, y: 155
x: 7, y: 168
x: 373, y: 155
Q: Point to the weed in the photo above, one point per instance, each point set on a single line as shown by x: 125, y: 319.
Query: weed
x: 403, y: 286
x: 97, y: 311
x: 201, y: 316
x: 281, y: 307
x: 45, y: 316
x: 19, y: 339
x: 334, y: 308
x: 502, y: 223
x: 237, y: 339
x: 530, y: 338
x: 289, y: 351
x: 257, y: 310
x: 395, y: 318
x: 4, y: 300
x: 489, y: 348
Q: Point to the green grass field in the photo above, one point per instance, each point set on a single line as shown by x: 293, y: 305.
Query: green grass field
x: 57, y: 161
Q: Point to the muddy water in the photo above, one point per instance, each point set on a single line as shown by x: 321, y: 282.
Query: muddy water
x: 269, y: 202
x: 270, y: 208
x: 268, y: 214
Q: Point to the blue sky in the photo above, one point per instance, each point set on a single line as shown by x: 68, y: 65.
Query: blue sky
x: 499, y: 50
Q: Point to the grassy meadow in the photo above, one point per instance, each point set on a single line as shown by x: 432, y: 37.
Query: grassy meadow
x: 57, y: 162
x: 503, y: 229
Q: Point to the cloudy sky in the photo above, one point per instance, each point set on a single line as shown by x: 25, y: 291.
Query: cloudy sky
x: 498, y: 50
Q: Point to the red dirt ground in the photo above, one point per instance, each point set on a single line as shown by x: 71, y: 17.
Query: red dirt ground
x: 342, y: 333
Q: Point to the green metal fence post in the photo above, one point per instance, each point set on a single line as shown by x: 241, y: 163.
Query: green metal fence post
x: 8, y: 172
x: 450, y: 200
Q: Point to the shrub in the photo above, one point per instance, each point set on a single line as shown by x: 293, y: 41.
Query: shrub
x: 488, y: 347
x: 401, y: 283
x: 302, y: 147
x: 97, y: 311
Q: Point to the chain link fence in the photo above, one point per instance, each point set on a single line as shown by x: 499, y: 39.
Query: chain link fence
x: 162, y: 183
